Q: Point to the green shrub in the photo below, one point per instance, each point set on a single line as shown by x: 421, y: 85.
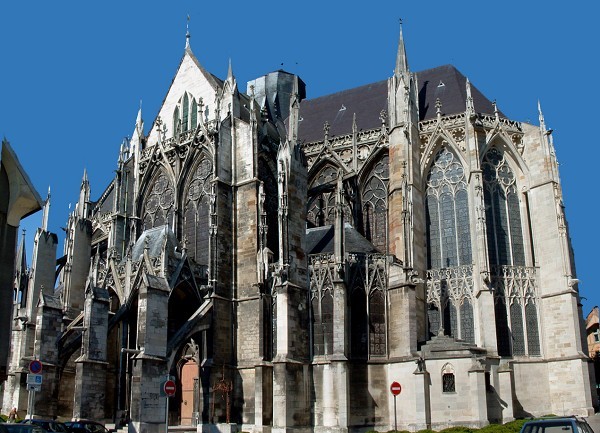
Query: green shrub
x: 459, y: 429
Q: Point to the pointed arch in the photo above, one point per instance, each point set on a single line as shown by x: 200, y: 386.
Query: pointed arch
x: 194, y: 114
x: 321, y: 196
x: 447, y: 212
x: 439, y: 139
x: 373, y: 198
x: 158, y: 205
x: 196, y: 209
x: 176, y: 121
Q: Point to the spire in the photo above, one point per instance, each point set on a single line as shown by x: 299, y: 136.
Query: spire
x: 46, y: 212
x: 541, y: 116
x: 21, y: 277
x: 401, y: 59
x: 230, y: 71
x: 84, y: 196
x: 187, y: 33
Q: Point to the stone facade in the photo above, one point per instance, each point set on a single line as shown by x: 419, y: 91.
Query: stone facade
x: 285, y: 260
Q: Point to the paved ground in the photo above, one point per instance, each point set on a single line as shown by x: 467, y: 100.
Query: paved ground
x: 594, y: 422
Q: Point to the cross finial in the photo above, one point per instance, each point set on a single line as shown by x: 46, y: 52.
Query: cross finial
x: 326, y: 128
x: 187, y: 33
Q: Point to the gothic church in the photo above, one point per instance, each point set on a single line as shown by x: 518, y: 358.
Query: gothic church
x: 285, y: 260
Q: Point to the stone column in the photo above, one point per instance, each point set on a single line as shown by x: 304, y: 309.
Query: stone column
x: 478, y: 392
x: 505, y: 374
x: 422, y: 405
x: 150, y: 364
x: 90, y: 378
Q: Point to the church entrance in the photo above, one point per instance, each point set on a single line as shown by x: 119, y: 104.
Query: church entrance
x: 189, y: 392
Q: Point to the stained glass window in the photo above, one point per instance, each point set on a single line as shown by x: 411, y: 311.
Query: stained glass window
x: 159, y: 202
x: 533, y: 337
x: 377, y: 344
x: 318, y: 348
x: 321, y: 204
x: 186, y: 109
x: 502, y: 331
x: 359, y: 326
x: 176, y: 121
x: 503, y: 214
x: 467, y: 331
x: 194, y: 114
x: 196, y: 212
x: 433, y: 316
x: 447, y: 213
x: 374, y: 201
x: 516, y: 321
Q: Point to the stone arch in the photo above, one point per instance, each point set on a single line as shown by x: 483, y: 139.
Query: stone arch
x: 158, y: 204
x: 372, y: 199
x: 321, y: 199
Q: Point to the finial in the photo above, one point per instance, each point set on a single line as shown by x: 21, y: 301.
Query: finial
x: 470, y: 107
x: 401, y: 59
x: 229, y: 71
x: 187, y: 33
x: 46, y: 212
x: 326, y: 129
x: 495, y: 108
x: 438, y: 107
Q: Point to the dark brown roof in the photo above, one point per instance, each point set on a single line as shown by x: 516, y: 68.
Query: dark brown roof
x: 367, y: 102
x: 320, y: 240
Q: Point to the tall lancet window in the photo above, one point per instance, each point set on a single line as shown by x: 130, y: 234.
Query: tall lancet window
x: 449, y: 255
x: 447, y: 213
x: 185, y: 105
x: 515, y: 298
x: 159, y: 202
x: 196, y: 212
x: 176, y: 121
x: 194, y: 114
x: 374, y: 202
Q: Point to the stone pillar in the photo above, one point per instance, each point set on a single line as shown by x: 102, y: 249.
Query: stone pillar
x: 402, y: 314
x: 505, y: 375
x: 48, y: 326
x: 90, y: 379
x: 150, y: 364
x: 422, y: 405
x: 263, y: 392
x: 478, y: 392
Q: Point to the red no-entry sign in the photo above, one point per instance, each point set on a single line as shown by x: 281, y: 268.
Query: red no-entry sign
x: 395, y: 388
x: 169, y: 388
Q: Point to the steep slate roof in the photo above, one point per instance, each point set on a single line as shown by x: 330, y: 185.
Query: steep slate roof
x: 368, y: 101
x: 320, y: 240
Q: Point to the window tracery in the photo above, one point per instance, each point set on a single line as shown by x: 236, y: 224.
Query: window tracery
x: 321, y: 205
x: 196, y: 212
x: 159, y: 203
x: 447, y: 213
x: 374, y: 202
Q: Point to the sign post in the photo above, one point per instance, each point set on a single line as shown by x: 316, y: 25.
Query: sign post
x: 395, y: 389
x: 34, y: 383
x: 168, y: 388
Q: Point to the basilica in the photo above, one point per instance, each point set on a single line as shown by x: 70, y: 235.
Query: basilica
x: 284, y: 260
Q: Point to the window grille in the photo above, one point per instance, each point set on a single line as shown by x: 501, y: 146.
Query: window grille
x: 318, y: 348
x: 176, y: 121
x: 448, y: 382
x: 502, y: 331
x: 327, y: 320
x: 194, y: 114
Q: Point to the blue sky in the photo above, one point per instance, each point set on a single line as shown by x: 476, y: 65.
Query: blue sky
x: 72, y: 75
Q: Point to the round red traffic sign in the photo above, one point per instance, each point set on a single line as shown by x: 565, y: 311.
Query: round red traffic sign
x: 395, y: 388
x: 35, y: 367
x: 169, y: 388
